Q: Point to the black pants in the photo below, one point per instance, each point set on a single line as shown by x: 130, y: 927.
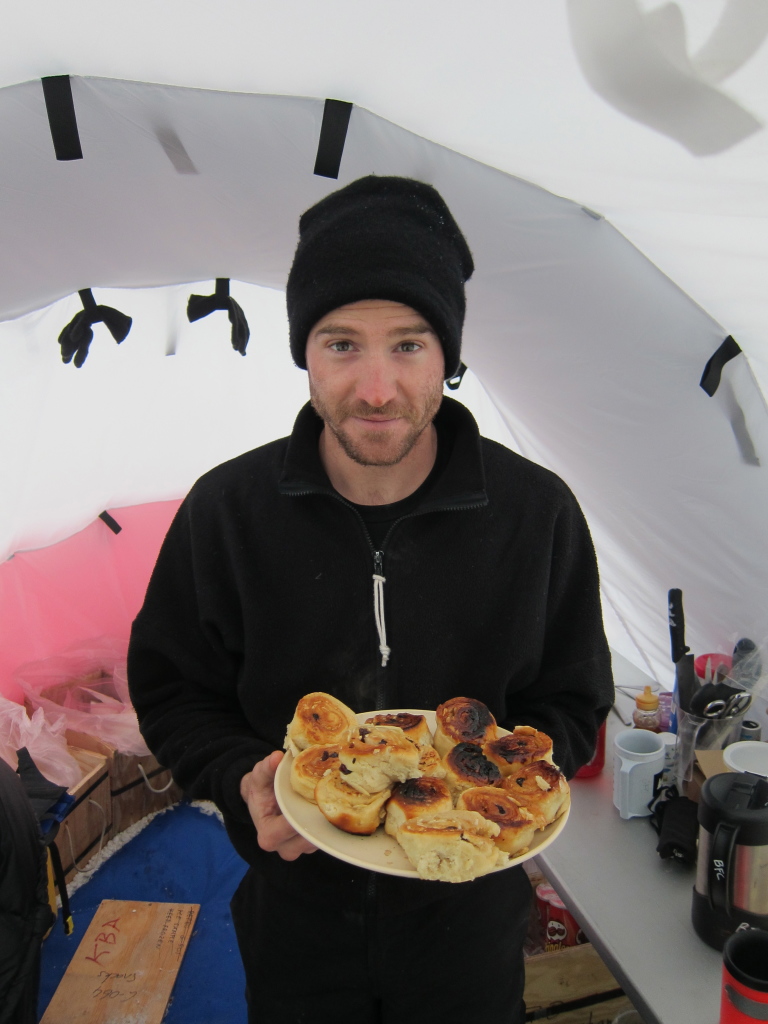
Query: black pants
x: 457, y: 959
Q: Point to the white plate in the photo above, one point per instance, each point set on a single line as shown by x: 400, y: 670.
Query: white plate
x: 747, y: 756
x: 379, y: 852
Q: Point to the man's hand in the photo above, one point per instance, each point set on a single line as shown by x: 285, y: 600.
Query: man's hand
x: 274, y: 833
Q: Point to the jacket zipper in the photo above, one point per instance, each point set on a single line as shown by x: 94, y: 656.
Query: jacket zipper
x: 378, y: 575
x: 378, y: 569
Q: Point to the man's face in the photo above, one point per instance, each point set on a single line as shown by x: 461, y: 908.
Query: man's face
x: 376, y: 378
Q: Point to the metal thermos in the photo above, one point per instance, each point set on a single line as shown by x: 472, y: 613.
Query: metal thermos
x: 731, y: 888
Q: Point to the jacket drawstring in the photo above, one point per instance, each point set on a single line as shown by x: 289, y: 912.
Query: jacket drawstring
x: 378, y: 612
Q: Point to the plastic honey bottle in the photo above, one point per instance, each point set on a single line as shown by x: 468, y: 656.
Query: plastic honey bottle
x: 647, y: 713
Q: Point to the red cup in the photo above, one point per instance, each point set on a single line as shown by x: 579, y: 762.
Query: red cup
x: 745, y: 977
x: 597, y: 762
x: 715, y: 660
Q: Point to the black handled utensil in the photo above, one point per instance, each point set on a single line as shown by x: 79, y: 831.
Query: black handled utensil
x: 685, y: 677
x: 677, y: 625
x: 686, y: 683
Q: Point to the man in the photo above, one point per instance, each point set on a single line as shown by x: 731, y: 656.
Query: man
x: 387, y: 554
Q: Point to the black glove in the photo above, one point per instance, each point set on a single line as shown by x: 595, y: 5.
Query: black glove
x: 77, y: 336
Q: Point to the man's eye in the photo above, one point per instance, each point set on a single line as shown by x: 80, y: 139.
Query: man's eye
x: 340, y: 346
x: 410, y: 346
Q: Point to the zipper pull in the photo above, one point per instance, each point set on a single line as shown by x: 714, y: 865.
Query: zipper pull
x: 378, y: 605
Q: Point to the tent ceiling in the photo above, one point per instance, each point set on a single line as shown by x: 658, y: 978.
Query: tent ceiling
x: 504, y: 83
x: 590, y: 353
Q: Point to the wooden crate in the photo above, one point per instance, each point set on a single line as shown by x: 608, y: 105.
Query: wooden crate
x: 125, y: 967
x: 89, y: 822
x: 139, y: 785
x: 572, y: 986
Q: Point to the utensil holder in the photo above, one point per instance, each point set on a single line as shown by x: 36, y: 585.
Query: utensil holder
x: 696, y: 733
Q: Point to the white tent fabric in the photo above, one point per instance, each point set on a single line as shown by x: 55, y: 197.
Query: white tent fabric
x: 594, y: 152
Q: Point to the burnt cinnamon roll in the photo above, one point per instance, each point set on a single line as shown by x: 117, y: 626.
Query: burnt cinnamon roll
x: 319, y: 718
x: 463, y: 720
x: 521, y: 746
x: 414, y: 726
x: 416, y: 797
x: 516, y: 824
x: 466, y: 766
x: 541, y: 788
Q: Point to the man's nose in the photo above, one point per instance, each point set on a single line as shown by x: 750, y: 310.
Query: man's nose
x: 377, y: 383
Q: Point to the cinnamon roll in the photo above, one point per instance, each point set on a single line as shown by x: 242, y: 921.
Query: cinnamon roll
x: 430, y: 763
x: 414, y: 726
x: 516, y: 824
x: 347, y: 808
x: 312, y: 764
x: 541, y: 788
x: 319, y: 718
x: 451, y: 846
x: 415, y: 797
x: 463, y: 720
x: 466, y: 766
x: 521, y: 746
x: 377, y: 757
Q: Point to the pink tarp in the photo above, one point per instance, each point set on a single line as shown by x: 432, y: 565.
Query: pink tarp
x: 91, y: 584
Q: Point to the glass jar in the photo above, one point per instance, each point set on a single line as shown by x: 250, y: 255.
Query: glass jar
x: 647, y: 713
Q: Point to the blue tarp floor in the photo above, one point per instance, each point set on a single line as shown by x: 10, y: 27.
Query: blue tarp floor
x: 182, y: 856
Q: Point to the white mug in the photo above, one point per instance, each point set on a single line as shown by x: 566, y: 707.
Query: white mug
x: 670, y: 758
x: 637, y: 767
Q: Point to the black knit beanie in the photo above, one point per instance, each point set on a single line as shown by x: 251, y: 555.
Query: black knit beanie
x: 380, y: 238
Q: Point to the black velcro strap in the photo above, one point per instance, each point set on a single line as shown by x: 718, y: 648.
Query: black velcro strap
x: 93, y: 786
x: 141, y: 781
x: 710, y: 379
x: 568, y: 1009
x: 112, y: 523
x: 57, y: 90
x: 61, y: 885
x: 453, y: 382
x: 199, y: 306
x: 333, y: 135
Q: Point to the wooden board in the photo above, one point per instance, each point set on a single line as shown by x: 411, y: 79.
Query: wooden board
x: 572, y: 986
x: 595, y: 1013
x: 567, y: 974
x: 125, y: 966
x: 711, y: 762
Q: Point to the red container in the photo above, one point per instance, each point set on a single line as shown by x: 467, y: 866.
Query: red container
x: 596, y: 763
x: 560, y: 927
x: 716, y: 661
x: 745, y: 977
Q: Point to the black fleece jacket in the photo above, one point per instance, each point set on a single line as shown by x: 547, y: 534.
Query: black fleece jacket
x: 263, y: 592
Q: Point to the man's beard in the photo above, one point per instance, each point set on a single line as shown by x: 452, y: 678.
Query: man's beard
x: 378, y: 448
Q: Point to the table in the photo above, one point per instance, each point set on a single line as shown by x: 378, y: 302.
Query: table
x: 634, y: 907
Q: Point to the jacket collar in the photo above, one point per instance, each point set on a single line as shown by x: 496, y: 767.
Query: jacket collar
x: 460, y: 485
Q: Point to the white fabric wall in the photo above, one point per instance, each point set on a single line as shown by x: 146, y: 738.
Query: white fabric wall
x: 651, y: 115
